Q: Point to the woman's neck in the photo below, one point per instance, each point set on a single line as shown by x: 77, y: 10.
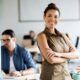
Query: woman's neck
x: 52, y: 31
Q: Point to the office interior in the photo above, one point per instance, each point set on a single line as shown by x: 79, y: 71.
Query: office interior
x: 23, y: 16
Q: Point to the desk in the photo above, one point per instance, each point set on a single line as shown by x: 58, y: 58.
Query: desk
x: 27, y: 77
x: 33, y: 49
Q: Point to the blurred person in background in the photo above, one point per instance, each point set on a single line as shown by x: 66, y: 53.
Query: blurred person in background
x: 33, y: 36
x: 16, y: 60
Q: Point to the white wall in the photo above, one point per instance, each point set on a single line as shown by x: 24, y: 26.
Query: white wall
x: 10, y: 20
x: 1, y: 17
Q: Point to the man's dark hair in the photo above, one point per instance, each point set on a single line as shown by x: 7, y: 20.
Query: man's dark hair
x: 9, y: 32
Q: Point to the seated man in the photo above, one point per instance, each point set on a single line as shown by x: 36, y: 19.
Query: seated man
x: 16, y: 61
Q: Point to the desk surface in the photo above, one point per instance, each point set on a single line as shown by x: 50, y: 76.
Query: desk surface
x: 33, y: 49
x: 27, y: 77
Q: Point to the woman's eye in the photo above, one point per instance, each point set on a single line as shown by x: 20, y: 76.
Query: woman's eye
x: 55, y: 16
x: 49, y: 15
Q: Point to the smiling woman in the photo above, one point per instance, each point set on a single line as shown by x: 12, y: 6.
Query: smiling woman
x: 55, y: 47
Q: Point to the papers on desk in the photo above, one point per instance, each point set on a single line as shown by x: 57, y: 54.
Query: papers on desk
x: 27, y: 77
x: 33, y: 49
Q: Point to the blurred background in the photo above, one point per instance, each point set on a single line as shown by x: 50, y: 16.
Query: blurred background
x: 24, y: 16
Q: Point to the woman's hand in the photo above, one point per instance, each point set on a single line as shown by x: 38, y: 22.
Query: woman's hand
x: 15, y: 73
x: 57, y: 54
x: 51, y: 53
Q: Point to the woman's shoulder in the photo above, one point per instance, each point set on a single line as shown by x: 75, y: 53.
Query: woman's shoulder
x: 64, y: 35
x: 41, y: 34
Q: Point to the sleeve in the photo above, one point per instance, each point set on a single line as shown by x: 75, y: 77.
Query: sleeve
x: 27, y: 57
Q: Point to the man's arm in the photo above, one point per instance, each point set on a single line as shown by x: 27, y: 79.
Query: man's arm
x: 28, y: 71
x: 29, y: 62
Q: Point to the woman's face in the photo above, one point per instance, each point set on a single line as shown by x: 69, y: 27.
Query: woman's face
x: 51, y: 18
